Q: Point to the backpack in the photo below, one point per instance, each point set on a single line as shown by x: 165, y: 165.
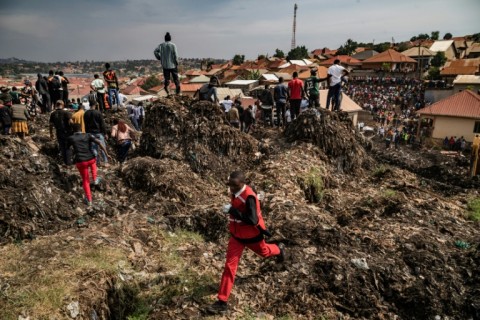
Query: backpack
x: 56, y: 83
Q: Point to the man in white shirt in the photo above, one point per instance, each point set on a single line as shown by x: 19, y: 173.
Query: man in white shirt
x: 227, y: 104
x: 121, y: 103
x: 335, y: 74
x: 98, y: 86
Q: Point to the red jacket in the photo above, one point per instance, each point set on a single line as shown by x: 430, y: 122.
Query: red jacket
x: 240, y: 229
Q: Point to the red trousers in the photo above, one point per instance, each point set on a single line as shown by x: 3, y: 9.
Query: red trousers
x: 83, y: 169
x: 234, y: 253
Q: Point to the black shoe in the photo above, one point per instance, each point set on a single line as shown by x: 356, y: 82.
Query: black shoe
x: 219, y: 307
x: 281, y: 256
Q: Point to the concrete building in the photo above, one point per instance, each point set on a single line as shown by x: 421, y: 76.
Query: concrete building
x: 457, y: 115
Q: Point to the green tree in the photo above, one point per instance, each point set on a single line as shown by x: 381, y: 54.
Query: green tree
x: 447, y: 36
x: 438, y: 60
x: 261, y: 57
x: 423, y: 36
x: 279, y: 54
x: 298, y: 53
x: 151, y: 82
x: 348, y: 47
x: 434, y: 73
x: 380, y: 47
x: 402, y: 46
x: 252, y: 75
x: 435, y: 35
x: 476, y: 37
x: 238, y: 59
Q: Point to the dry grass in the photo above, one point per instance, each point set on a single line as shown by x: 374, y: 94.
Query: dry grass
x: 40, y: 279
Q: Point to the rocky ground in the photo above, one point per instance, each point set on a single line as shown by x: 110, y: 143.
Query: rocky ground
x: 370, y: 233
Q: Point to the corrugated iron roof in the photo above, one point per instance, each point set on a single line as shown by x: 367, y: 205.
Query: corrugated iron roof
x: 233, y: 93
x: 241, y: 82
x: 200, y: 79
x: 465, y: 104
x: 269, y: 77
x: 190, y: 87
x: 134, y: 90
x: 389, y: 55
x: 467, y: 79
x: 463, y: 63
x: 322, y: 72
x: 449, y: 71
x: 441, y: 45
x: 344, y: 59
x: 365, y: 54
x: 414, y: 52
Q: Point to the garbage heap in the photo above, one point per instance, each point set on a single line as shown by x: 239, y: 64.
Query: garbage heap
x: 335, y: 135
x: 198, y: 133
x: 33, y: 192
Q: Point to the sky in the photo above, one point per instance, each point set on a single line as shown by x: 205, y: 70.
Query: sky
x: 109, y: 30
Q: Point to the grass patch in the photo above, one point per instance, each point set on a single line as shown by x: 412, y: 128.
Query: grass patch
x: 312, y: 185
x: 380, y: 171
x: 473, y: 209
x: 389, y: 193
x: 43, y: 279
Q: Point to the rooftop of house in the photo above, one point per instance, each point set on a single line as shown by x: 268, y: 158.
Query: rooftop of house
x: 348, y: 105
x: 419, y: 52
x: 364, y: 54
x: 441, y: 45
x: 467, y: 79
x: 389, y: 55
x: 200, y: 79
x: 344, y: 59
x: 465, y: 104
x: 241, y: 82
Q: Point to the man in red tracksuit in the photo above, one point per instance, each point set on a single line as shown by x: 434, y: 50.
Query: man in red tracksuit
x: 247, y: 229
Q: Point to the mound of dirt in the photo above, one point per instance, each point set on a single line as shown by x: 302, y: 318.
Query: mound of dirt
x: 447, y: 173
x: 198, y: 134
x: 31, y: 192
x: 334, y: 134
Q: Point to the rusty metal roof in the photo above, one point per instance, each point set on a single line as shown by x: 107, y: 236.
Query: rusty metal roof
x: 389, y: 55
x: 465, y: 104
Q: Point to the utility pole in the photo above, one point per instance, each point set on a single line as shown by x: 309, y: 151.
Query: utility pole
x: 294, y: 26
x: 419, y: 66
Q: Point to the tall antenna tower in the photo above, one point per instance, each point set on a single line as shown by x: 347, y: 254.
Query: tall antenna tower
x: 294, y: 25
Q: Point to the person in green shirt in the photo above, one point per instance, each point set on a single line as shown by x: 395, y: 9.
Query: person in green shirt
x: 311, y: 89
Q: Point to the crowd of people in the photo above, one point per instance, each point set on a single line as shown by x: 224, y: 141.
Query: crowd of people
x: 78, y: 125
x: 280, y: 104
x: 393, y: 102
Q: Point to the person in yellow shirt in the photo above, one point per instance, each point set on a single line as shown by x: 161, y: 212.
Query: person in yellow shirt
x: 78, y: 117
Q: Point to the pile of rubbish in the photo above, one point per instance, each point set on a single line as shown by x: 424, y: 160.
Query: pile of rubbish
x: 196, y: 132
x: 335, y: 134
x: 32, y: 192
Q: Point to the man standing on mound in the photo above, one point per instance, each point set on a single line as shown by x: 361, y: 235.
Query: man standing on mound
x: 247, y: 229
x: 168, y: 56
